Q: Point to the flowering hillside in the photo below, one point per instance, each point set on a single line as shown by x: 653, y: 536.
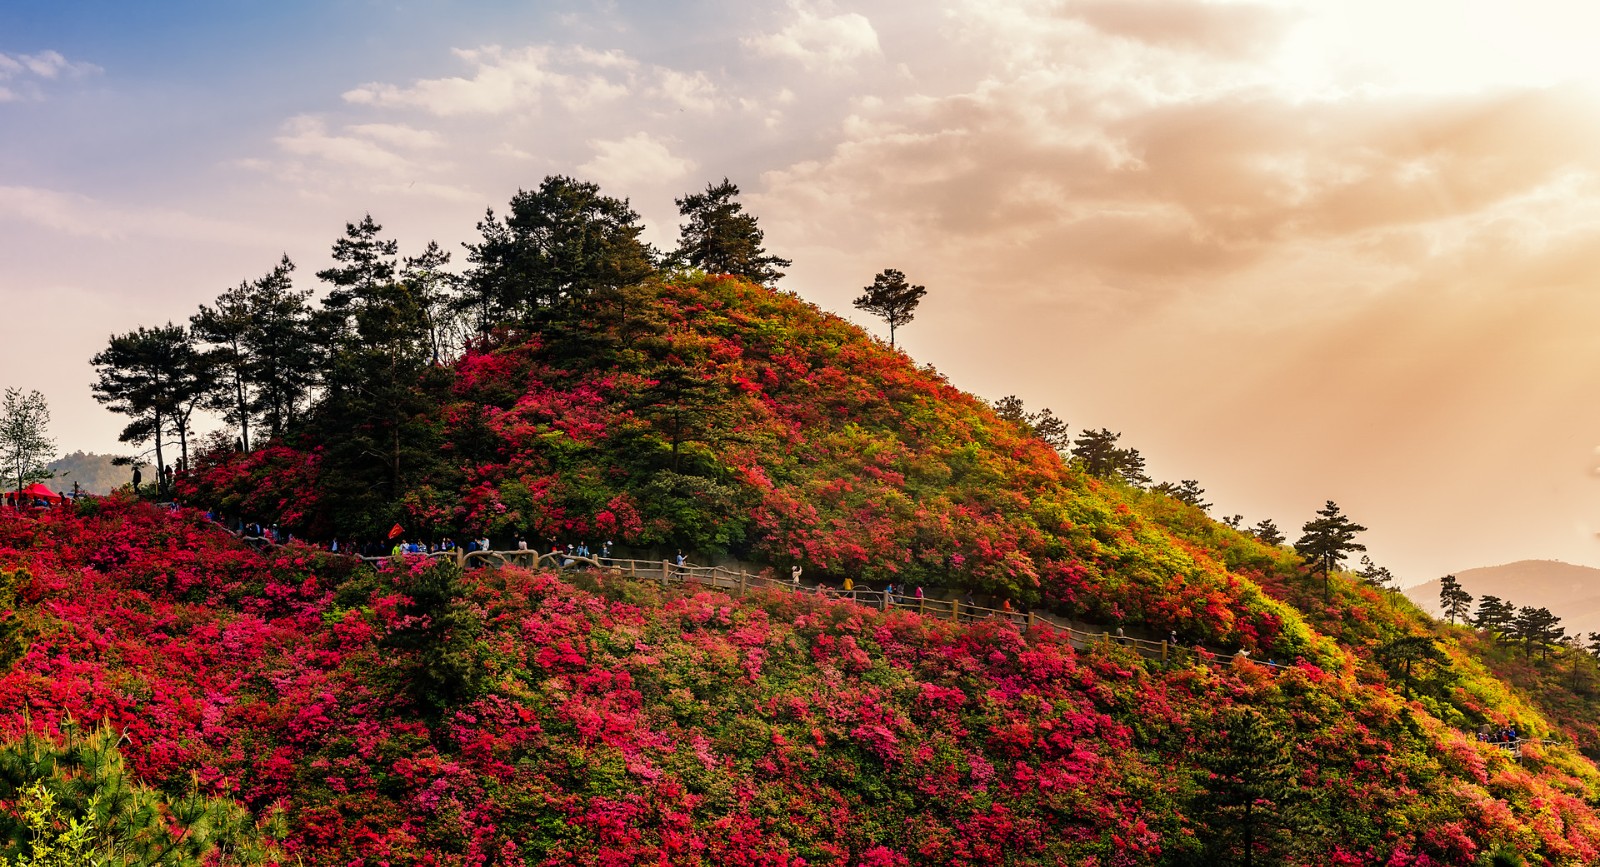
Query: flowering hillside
x: 713, y: 415
x: 411, y: 715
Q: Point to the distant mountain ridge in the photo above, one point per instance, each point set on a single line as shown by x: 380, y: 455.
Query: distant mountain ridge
x: 1571, y: 592
x: 94, y: 473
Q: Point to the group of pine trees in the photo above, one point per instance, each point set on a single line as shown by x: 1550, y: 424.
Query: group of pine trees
x: 1535, y: 629
x: 265, y: 353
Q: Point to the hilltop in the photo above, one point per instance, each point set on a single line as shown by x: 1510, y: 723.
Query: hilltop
x: 1572, y: 592
x: 712, y: 415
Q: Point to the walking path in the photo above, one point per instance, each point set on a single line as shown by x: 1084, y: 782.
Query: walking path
x: 741, y: 581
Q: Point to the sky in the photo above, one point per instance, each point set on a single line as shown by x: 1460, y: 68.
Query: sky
x: 1297, y: 250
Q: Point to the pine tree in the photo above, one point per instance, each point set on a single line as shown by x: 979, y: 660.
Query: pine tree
x: 1099, y: 455
x: 891, y: 298
x: 720, y: 238
x: 224, y: 329
x: 1044, y: 424
x: 284, y: 359
x: 435, y: 290
x: 1268, y: 532
x: 1453, y: 600
x: 1378, y: 576
x: 1011, y: 409
x: 1494, y: 615
x: 1537, y: 629
x: 564, y: 242
x: 153, y: 376
x: 1186, y: 491
x: 1413, y: 658
x: 373, y: 415
x: 1049, y: 427
x: 76, y: 805
x: 1247, y: 797
x: 1328, y: 539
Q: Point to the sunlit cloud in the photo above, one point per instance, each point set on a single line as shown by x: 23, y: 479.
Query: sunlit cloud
x: 510, y: 80
x: 637, y: 159
x: 819, y: 41
x: 308, y: 136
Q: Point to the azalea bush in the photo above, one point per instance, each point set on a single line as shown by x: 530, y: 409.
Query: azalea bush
x: 411, y: 714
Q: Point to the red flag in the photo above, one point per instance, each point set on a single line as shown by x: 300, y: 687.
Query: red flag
x: 396, y: 531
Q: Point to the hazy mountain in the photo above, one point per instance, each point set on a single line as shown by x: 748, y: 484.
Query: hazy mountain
x: 1571, y: 592
x: 93, y: 473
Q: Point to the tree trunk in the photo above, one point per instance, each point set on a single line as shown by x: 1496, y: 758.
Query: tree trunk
x: 244, y: 410
x: 161, y: 462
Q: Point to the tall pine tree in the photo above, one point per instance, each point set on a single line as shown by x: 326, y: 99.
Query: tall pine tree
x: 720, y: 238
x: 1328, y: 539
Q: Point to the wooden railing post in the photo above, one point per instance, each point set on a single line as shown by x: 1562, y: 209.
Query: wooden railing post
x: 744, y: 582
x: 922, y: 605
x: 1163, y: 651
x: 665, y: 574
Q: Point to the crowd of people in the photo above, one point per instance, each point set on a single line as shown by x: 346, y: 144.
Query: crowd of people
x: 1505, y: 737
x: 30, y: 500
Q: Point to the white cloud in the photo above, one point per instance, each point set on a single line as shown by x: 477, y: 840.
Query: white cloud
x: 48, y: 65
x: 398, y: 135
x: 831, y: 43
x: 307, y: 136
x: 510, y: 80
x: 30, y: 70
x: 688, y: 91
x: 507, y: 149
x: 639, y: 158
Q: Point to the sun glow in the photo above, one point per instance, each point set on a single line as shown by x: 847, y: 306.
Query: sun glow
x: 1439, y: 46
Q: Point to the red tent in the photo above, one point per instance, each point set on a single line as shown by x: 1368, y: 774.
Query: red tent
x: 37, y: 491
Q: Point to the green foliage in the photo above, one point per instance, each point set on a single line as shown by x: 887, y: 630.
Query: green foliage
x: 258, y: 339
x: 1268, y: 532
x: 25, y: 443
x: 74, y: 804
x: 1414, y: 660
x: 437, y: 632
x: 1494, y: 614
x: 1378, y: 576
x: 1044, y: 424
